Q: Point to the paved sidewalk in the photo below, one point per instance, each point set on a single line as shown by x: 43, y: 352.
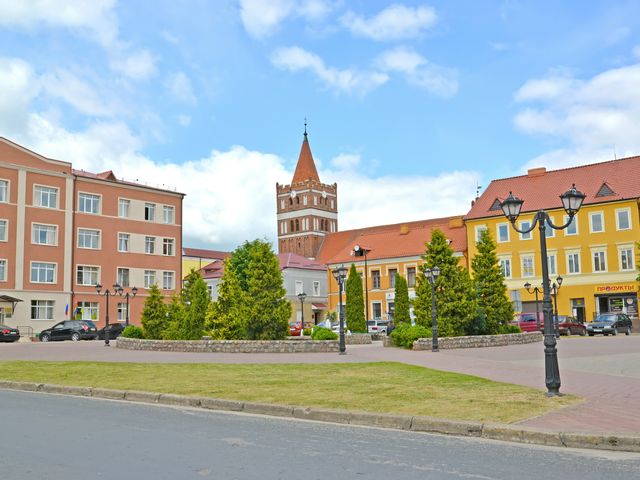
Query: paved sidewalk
x: 605, y: 371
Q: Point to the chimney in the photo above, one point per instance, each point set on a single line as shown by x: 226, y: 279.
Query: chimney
x: 536, y: 172
x: 404, y: 229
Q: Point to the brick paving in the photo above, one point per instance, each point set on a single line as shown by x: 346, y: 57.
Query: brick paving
x: 605, y: 371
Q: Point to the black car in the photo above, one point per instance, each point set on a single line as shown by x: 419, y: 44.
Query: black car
x: 115, y: 330
x: 610, y: 323
x: 9, y: 334
x: 70, y: 330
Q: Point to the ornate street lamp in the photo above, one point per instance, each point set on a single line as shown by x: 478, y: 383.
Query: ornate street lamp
x: 432, y: 276
x: 554, y: 288
x: 360, y: 251
x: 535, y: 290
x: 571, y: 202
x: 302, y: 297
x: 107, y: 293
x: 133, y: 293
x: 340, y: 274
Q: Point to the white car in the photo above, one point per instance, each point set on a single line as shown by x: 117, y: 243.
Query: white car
x: 377, y: 326
x: 336, y: 328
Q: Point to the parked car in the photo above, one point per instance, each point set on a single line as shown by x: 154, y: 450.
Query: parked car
x: 527, y: 321
x: 610, y: 323
x: 115, y: 330
x: 9, y: 334
x: 295, y: 329
x: 70, y: 330
x: 377, y: 326
x: 570, y: 326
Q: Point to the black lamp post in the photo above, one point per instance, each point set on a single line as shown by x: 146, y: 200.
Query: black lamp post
x: 302, y: 297
x: 340, y: 274
x: 535, y: 290
x: 554, y: 288
x: 571, y: 202
x: 360, y: 251
x: 432, y: 276
x: 107, y: 293
x: 133, y: 293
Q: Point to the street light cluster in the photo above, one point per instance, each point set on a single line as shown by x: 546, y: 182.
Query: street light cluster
x: 117, y: 290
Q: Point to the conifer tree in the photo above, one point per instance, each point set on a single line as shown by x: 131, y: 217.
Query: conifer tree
x: 227, y: 318
x: 196, y: 309
x: 154, y: 314
x: 240, y: 259
x: 354, y: 310
x: 176, y: 314
x: 401, y: 301
x: 455, y: 302
x: 489, y: 285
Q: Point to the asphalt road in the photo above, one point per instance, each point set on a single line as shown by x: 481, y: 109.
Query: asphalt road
x: 52, y: 437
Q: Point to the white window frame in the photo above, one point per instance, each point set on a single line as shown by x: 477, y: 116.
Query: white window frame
x: 122, y: 311
x: 121, y: 237
x: 4, y: 190
x: 602, y: 254
x: 49, y: 307
x: 98, y: 235
x: 126, y: 203
x: 626, y: 210
x: 172, y: 216
x: 506, y: 260
x: 576, y: 254
x: 49, y: 230
x: 149, y: 245
x: 498, y: 238
x: 316, y: 287
x: 527, y: 256
x: 120, y: 277
x: 299, y: 287
x: 172, y: 243
x: 3, y: 269
x: 477, y: 230
x: 94, y: 197
x: 528, y: 235
x: 549, y: 231
x: 55, y: 272
x: 89, y: 310
x: 5, y: 237
x: 567, y: 233
x: 172, y: 276
x: 84, y: 274
x: 631, y: 264
x: 415, y: 275
x: 554, y: 256
x: 37, y: 198
x: 150, y: 278
x: 373, y: 310
x: 593, y: 214
x: 152, y: 210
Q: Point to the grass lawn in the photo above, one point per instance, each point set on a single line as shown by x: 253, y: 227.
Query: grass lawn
x: 374, y: 387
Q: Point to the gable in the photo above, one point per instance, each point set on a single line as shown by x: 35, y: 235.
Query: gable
x: 605, y: 191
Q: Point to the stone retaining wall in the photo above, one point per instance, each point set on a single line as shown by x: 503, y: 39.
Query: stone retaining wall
x: 357, y: 339
x: 479, y: 341
x: 230, y: 346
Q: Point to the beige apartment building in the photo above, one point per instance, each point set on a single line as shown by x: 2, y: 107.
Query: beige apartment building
x: 62, y: 231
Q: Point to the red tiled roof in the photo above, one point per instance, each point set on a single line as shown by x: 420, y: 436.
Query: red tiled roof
x: 214, y: 269
x: 109, y: 176
x: 306, y: 168
x: 389, y: 241
x: 203, y: 253
x: 292, y: 260
x: 540, y: 189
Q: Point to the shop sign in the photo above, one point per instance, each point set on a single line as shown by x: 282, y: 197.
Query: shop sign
x: 630, y: 287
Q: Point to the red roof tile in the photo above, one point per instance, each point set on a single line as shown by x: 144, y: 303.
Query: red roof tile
x: 306, y: 167
x: 109, y: 176
x: 292, y: 260
x: 540, y: 189
x: 203, y: 253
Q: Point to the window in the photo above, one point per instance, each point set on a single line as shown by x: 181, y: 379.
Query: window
x: 623, y: 219
x: 44, y: 234
x: 46, y: 197
x: 505, y: 267
x: 123, y: 277
x: 43, y: 272
x: 551, y: 262
x: 4, y: 191
x: 626, y: 258
x: 123, y: 207
x: 3, y: 230
x: 572, y: 229
x: 316, y: 289
x: 299, y: 287
x: 376, y: 310
x: 168, y: 214
x: 123, y: 242
x: 528, y: 269
x: 122, y: 312
x: 392, y: 277
x: 599, y: 261
x: 149, y: 278
x: 149, y: 244
x: 479, y: 230
x: 411, y: 277
x: 89, y: 203
x: 167, y: 280
x: 167, y: 246
x: 596, y: 223
x: 87, y: 311
x: 549, y: 231
x: 150, y: 211
x: 88, y: 238
x: 525, y: 225
x: 503, y: 232
x: 42, y: 309
x: 87, y: 275
x: 3, y: 270
x: 573, y: 262
x: 375, y: 279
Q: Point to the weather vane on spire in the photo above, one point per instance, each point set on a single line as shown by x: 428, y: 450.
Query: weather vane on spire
x: 305, y: 126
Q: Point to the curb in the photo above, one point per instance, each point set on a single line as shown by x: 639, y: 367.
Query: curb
x: 491, y: 431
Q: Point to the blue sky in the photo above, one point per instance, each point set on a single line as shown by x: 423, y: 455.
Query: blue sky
x: 410, y: 104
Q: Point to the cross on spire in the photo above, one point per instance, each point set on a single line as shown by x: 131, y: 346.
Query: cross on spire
x: 305, y: 126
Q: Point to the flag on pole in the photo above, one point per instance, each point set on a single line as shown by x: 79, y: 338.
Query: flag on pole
x: 66, y: 310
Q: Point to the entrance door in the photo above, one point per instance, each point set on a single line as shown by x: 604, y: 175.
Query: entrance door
x: 578, y: 310
x: 603, y: 305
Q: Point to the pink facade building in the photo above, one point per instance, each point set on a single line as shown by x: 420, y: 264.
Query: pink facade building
x: 62, y: 231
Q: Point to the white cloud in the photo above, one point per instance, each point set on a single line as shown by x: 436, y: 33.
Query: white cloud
x: 262, y: 18
x: 419, y: 71
x: 596, y: 118
x: 346, y: 81
x: 180, y: 87
x: 393, y: 23
x: 184, y: 120
x: 137, y: 65
x: 18, y: 86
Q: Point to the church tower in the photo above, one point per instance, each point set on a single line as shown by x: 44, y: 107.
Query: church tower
x: 307, y: 209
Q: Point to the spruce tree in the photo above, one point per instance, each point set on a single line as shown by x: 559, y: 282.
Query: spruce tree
x: 489, y: 285
x: 154, y: 314
x: 227, y: 317
x: 354, y: 310
x: 176, y: 314
x: 196, y: 309
x: 401, y: 301
x: 455, y: 302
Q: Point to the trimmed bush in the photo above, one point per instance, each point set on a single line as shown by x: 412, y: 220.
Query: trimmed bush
x: 509, y: 328
x: 306, y: 332
x: 321, y: 333
x: 404, y: 334
x: 133, y: 331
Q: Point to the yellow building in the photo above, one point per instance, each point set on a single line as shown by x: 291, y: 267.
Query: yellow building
x: 391, y: 250
x: 198, y: 258
x: 596, y: 255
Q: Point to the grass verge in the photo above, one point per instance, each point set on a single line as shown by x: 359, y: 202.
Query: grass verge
x: 384, y: 387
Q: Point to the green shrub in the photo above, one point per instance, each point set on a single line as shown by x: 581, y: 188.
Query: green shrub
x: 306, y: 332
x: 510, y: 328
x: 404, y: 334
x: 321, y: 333
x: 133, y: 331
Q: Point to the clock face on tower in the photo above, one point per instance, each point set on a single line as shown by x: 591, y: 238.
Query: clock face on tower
x: 293, y: 194
x: 324, y: 194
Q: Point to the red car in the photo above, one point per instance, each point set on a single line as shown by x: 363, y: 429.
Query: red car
x: 295, y: 329
x: 566, y: 325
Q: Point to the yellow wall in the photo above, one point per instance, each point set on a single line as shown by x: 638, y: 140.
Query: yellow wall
x: 588, y: 282
x: 188, y: 264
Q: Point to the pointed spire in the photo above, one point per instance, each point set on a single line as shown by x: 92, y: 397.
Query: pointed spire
x: 306, y: 167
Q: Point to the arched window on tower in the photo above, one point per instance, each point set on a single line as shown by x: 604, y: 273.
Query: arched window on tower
x: 297, y: 200
x: 290, y: 201
x: 292, y: 225
x: 297, y: 225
